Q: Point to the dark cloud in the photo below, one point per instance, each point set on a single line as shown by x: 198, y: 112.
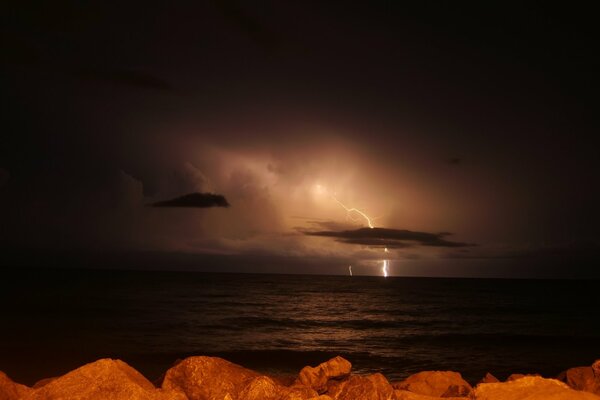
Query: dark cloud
x: 392, y: 238
x: 126, y: 77
x: 4, y: 176
x: 195, y: 200
x: 454, y: 160
x: 250, y: 26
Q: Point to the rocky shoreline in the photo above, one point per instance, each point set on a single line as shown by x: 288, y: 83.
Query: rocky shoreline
x: 212, y: 378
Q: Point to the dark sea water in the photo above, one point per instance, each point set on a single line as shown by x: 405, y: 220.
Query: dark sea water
x: 55, y: 320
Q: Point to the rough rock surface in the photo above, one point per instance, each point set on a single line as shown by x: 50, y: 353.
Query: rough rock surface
x: 436, y: 383
x: 318, y: 376
x: 372, y: 387
x: 406, y: 395
x: 209, y: 378
x: 104, y: 379
x: 298, y: 392
x: 489, y: 378
x: 261, y: 388
x: 596, y: 368
x: 10, y: 390
x: 514, y: 377
x: 530, y: 388
x: 583, y: 378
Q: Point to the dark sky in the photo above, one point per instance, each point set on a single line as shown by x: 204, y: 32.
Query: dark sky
x: 464, y: 133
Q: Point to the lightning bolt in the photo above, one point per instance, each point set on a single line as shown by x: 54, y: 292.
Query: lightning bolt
x: 384, y: 268
x: 349, y: 210
x: 355, y: 210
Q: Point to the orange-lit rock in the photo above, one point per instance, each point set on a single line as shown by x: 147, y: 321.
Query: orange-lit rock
x: 318, y: 376
x: 261, y: 388
x: 208, y: 378
x: 104, y: 379
x: 298, y: 392
x: 530, y: 388
x: 43, y: 382
x: 514, y: 377
x: 406, y: 395
x: 596, y: 368
x: 10, y: 390
x: 436, y: 383
x: 489, y: 378
x: 372, y: 387
x: 583, y: 378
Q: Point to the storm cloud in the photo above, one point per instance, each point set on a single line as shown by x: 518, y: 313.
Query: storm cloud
x: 195, y: 200
x: 392, y: 238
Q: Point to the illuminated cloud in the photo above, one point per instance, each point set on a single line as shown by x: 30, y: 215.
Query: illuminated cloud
x: 391, y: 238
x: 195, y: 200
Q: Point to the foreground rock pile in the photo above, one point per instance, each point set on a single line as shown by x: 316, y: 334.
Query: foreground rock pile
x: 211, y: 378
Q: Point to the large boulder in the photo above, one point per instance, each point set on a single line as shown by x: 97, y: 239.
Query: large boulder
x: 372, y: 387
x: 317, y: 377
x: 530, y: 388
x: 436, y: 384
x: 583, y: 378
x: 210, y: 378
x: 104, y: 379
x: 10, y: 390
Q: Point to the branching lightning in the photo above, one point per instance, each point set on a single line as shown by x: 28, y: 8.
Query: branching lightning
x: 360, y: 213
x: 355, y: 210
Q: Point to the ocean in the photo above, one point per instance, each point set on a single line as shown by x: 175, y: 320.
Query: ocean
x: 55, y: 320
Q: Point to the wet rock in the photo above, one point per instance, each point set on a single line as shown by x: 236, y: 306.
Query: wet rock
x: 530, y: 388
x: 10, y: 390
x: 208, y: 378
x: 104, y: 379
x: 489, y: 378
x: 583, y: 378
x: 318, y: 376
x: 372, y: 387
x: 436, y: 383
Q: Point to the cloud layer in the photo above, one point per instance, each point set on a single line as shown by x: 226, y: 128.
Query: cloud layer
x: 195, y: 200
x: 391, y: 238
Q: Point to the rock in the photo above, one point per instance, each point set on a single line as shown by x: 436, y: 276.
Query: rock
x: 406, y: 395
x: 103, y: 380
x: 372, y: 387
x: 298, y: 392
x: 318, y: 376
x: 583, y: 378
x: 208, y: 378
x: 489, y: 378
x: 514, y: 377
x: 596, y: 368
x: 530, y: 388
x: 10, y: 390
x: 43, y: 382
x: 436, y: 383
x: 261, y: 388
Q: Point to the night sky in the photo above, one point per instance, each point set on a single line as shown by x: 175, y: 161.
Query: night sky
x: 223, y: 136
